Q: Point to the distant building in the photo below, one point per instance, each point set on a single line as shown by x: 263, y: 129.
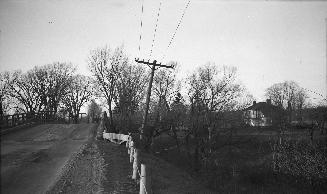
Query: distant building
x: 262, y: 114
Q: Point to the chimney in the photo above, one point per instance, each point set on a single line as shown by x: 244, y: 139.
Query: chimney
x: 269, y: 101
x: 254, y: 102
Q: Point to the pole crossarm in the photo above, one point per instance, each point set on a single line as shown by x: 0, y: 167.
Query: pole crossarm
x: 154, y: 63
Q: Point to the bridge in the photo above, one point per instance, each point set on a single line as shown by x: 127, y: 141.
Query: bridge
x: 10, y: 121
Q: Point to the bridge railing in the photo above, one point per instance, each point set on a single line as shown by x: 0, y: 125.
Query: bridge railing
x: 8, y: 121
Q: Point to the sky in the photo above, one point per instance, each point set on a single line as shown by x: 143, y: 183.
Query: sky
x: 268, y: 41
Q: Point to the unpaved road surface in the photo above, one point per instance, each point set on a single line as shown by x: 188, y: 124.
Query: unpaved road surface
x: 32, y: 159
x: 59, y: 158
x: 84, y: 172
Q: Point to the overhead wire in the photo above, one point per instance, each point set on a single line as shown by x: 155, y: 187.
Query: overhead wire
x: 141, y: 19
x: 155, y: 30
x: 141, y: 25
x: 179, y: 23
x: 323, y: 97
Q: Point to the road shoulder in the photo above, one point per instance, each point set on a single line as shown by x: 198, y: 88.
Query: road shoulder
x: 83, y: 173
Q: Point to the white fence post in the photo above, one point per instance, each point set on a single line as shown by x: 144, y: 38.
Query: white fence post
x: 131, y: 152
x: 143, y: 181
x: 127, y: 143
x: 135, y: 163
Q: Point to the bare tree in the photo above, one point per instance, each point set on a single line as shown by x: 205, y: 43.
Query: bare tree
x: 168, y: 103
x: 94, y: 110
x: 215, y: 87
x: 275, y: 93
x: 164, y: 88
x: 301, y: 101
x: 164, y: 81
x: 22, y: 88
x: 58, y: 80
x: 288, y: 95
x: 41, y: 88
x: 243, y: 101
x: 176, y: 117
x: 103, y: 63
x: 5, y: 80
x: 130, y: 88
x: 212, y: 90
x: 51, y: 83
x: 80, y: 91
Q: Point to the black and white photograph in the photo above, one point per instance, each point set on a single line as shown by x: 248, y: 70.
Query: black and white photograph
x: 163, y: 96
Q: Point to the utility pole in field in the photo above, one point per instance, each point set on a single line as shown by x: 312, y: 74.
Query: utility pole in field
x: 153, y: 66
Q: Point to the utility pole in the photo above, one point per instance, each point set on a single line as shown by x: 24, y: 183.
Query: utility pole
x: 153, y: 66
x: 326, y: 56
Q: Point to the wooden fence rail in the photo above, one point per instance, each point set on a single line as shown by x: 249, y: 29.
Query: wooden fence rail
x: 8, y: 121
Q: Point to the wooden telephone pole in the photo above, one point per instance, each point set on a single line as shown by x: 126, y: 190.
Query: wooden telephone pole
x: 153, y: 66
x: 326, y: 56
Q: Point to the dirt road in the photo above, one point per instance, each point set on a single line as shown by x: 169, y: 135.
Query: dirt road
x: 59, y: 158
x: 32, y: 159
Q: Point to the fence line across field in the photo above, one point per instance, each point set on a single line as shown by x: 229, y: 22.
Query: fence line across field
x: 134, y: 157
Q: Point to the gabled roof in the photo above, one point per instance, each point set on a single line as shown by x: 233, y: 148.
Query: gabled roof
x: 264, y: 107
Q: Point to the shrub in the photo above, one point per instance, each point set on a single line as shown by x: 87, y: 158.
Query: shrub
x: 302, y: 159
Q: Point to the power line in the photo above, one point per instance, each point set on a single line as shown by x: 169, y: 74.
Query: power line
x: 141, y: 17
x: 322, y: 96
x: 179, y: 23
x: 155, y: 30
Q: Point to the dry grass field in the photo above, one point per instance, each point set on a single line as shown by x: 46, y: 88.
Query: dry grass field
x: 243, y: 163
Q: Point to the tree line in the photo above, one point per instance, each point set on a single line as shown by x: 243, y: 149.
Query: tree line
x: 295, y: 101
x: 53, y: 87
x: 120, y: 85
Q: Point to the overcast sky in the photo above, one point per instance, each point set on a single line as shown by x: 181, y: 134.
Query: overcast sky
x: 268, y: 42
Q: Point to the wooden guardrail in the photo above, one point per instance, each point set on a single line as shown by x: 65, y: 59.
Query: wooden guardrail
x: 139, y: 167
x: 8, y: 121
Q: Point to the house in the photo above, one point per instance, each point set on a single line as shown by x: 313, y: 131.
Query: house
x: 261, y: 114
